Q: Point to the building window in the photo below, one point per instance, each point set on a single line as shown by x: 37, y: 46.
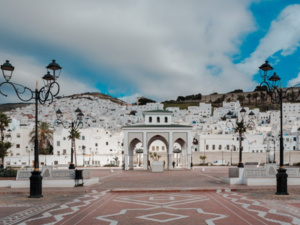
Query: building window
x: 64, y: 151
x: 17, y: 145
x: 83, y: 138
x: 58, y: 143
x: 220, y: 147
x: 227, y: 147
x: 166, y: 119
x: 163, y: 148
x: 106, y: 143
x: 158, y: 119
x: 64, y: 138
x: 153, y: 148
x: 96, y: 144
x: 58, y: 153
x: 213, y: 147
x: 157, y: 148
x: 18, y: 154
x: 206, y: 147
x: 18, y: 135
x: 150, y: 119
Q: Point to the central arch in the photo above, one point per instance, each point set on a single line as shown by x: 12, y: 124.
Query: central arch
x: 160, y: 149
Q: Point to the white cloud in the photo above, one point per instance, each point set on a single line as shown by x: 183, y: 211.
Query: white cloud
x: 283, y: 35
x: 131, y: 99
x: 294, y: 81
x: 28, y: 72
x: 161, y: 49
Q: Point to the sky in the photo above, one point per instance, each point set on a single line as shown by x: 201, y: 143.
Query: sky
x: 159, y: 49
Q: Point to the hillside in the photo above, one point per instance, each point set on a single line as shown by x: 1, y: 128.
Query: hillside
x: 96, y: 95
x: 10, y: 106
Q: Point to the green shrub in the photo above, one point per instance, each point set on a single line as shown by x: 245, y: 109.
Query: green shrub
x: 8, y: 172
x: 110, y: 165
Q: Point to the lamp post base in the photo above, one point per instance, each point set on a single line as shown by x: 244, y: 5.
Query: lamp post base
x: 36, y: 185
x: 240, y: 165
x: 281, y: 178
x: 72, y: 166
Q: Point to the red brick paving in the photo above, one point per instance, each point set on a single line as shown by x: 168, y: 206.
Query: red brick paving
x: 141, y: 197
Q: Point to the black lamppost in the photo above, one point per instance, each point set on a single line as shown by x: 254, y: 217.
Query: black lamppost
x: 269, y: 86
x: 42, y: 96
x: 177, y: 151
x: 241, y: 127
x: 75, y: 124
x: 138, y: 152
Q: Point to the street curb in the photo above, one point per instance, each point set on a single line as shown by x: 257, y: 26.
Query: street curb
x: 132, y: 190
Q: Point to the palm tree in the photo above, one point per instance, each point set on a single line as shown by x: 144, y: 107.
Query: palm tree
x: 74, y: 134
x: 45, y: 137
x: 4, y: 146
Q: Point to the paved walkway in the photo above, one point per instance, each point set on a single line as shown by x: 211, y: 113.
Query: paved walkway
x: 139, y: 197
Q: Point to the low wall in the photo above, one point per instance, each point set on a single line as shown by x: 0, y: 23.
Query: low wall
x: 260, y: 176
x: 49, y: 173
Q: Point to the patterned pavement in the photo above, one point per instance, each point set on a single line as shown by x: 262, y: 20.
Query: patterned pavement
x: 103, y: 206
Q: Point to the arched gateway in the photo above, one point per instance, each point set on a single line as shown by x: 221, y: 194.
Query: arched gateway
x: 139, y: 141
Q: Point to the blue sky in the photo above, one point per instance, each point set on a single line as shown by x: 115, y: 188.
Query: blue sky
x: 157, y: 49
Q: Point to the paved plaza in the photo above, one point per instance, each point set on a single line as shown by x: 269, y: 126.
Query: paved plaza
x: 141, y: 197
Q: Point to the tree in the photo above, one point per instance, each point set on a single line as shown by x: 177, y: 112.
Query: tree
x: 249, y: 96
x: 74, y: 134
x: 154, y: 156
x: 262, y: 97
x: 241, y: 98
x: 116, y: 160
x: 144, y: 101
x: 202, y: 157
x: 180, y: 99
x: 45, y: 137
x: 255, y: 96
x: 4, y: 121
x: 4, y: 146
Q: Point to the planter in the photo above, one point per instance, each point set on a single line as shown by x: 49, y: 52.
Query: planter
x: 157, y: 166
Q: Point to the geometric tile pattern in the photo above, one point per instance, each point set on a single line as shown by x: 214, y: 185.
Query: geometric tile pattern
x: 59, y: 213
x: 157, y: 217
x: 167, y: 208
x: 185, y: 208
x: 263, y: 210
x: 19, y: 216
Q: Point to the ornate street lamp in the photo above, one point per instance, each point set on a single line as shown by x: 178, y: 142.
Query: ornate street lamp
x: 42, y: 96
x: 177, y: 151
x: 241, y: 127
x: 75, y: 124
x: 269, y: 86
x: 139, y: 151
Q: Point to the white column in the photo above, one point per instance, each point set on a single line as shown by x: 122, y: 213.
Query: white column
x: 189, y: 150
x: 170, y: 150
x: 126, y: 157
x: 145, y: 152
